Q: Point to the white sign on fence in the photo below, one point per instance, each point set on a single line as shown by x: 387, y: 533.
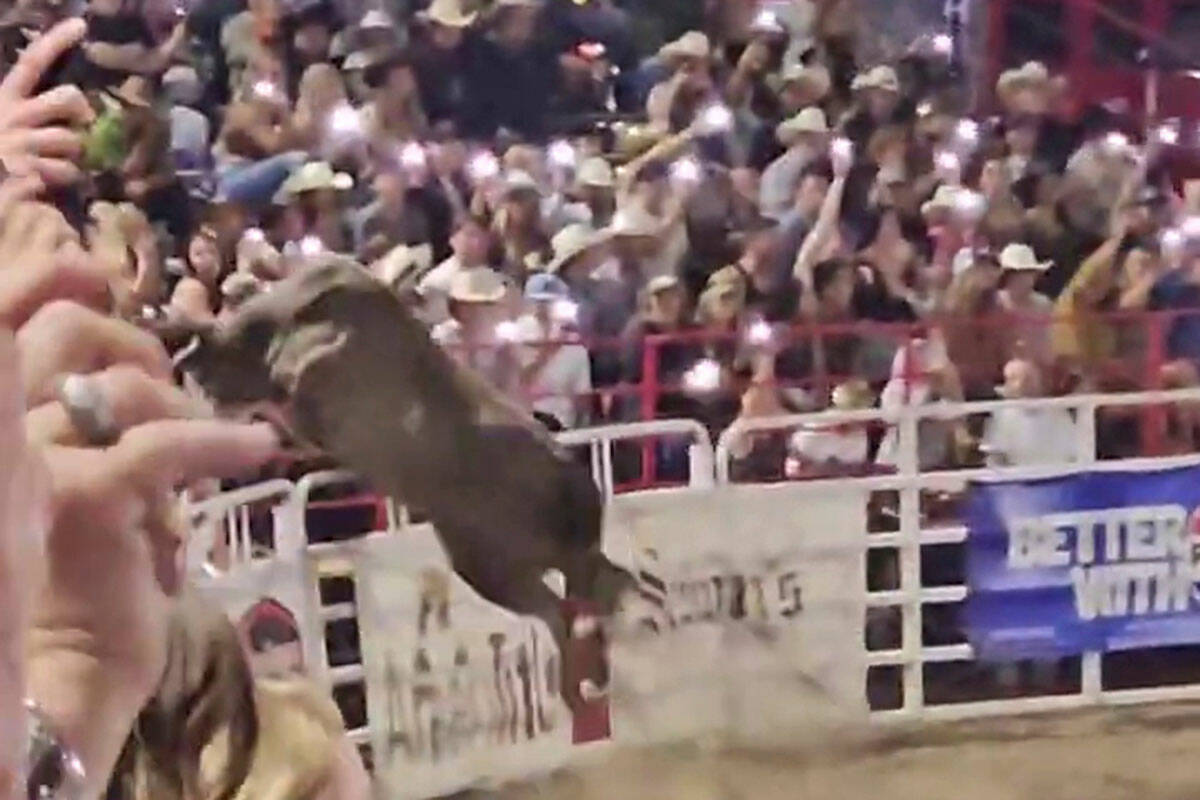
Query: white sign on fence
x: 749, y: 625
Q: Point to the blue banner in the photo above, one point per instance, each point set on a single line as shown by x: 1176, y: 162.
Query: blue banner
x: 1097, y: 561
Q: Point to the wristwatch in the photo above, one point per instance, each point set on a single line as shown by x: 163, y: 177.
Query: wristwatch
x: 52, y: 770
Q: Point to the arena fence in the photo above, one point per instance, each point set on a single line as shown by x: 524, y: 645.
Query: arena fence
x: 272, y: 542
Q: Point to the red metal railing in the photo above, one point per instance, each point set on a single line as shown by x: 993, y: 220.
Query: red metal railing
x: 1117, y: 351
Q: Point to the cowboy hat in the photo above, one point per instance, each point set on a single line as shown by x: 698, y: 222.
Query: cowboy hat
x: 813, y: 74
x: 375, y: 19
x: 448, y: 13
x: 809, y: 120
x: 571, y: 242
x: 943, y: 199
x: 361, y: 59
x: 1020, y: 258
x: 313, y: 176
x: 661, y: 284
x: 1032, y: 73
x: 517, y: 181
x: 595, y: 172
x: 478, y: 285
x: 852, y: 394
x: 881, y: 77
x: 726, y: 276
x: 403, y: 264
x: 634, y: 221
x: 692, y: 45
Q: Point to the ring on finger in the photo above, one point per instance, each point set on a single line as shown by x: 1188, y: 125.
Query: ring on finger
x: 89, y: 409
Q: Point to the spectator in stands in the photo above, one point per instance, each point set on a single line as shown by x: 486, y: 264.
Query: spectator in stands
x: 1029, y: 308
x: 825, y: 450
x: 197, y: 296
x: 556, y: 373
x: 439, y: 49
x: 471, y: 244
x: 922, y: 374
x: 806, y: 137
x: 312, y: 195
x: 394, y: 113
x: 391, y: 219
x: 477, y: 332
x: 1027, y: 435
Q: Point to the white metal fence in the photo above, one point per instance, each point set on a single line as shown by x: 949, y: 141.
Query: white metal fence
x: 910, y: 534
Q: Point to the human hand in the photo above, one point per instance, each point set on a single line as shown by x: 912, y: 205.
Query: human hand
x: 36, y: 135
x: 97, y: 644
x: 40, y: 257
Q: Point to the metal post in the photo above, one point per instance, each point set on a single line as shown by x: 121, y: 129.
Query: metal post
x: 649, y: 390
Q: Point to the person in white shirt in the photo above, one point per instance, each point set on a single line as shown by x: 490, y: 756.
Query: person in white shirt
x: 821, y: 450
x: 479, y: 332
x: 556, y: 375
x: 1027, y: 436
x: 470, y: 244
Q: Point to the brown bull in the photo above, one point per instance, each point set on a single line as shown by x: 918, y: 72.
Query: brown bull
x: 357, y: 375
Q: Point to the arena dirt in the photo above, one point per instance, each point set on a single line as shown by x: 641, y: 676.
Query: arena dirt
x: 1144, y: 753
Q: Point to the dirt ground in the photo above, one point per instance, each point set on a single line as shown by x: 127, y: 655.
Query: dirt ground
x: 1144, y: 753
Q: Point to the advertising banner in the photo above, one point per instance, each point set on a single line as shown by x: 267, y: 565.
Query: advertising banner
x: 1097, y: 561
x: 748, y: 623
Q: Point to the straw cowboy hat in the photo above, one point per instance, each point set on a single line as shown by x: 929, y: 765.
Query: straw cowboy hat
x: 809, y: 120
x: 692, y: 45
x: 1030, y: 75
x: 313, y: 176
x: 572, y: 242
x: 943, y: 199
x: 881, y: 77
x: 634, y: 221
x: 596, y: 172
x: 448, y: 13
x: 851, y: 395
x: 815, y: 75
x: 478, y: 285
x: 403, y: 265
x: 1020, y: 258
x: 726, y: 276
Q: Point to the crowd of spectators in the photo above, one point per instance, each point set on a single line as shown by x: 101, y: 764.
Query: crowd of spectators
x: 740, y: 221
x: 731, y: 223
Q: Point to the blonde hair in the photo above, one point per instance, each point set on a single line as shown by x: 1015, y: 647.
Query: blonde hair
x: 300, y: 731
x: 213, y: 732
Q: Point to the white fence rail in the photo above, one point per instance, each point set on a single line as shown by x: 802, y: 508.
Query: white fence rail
x: 229, y: 516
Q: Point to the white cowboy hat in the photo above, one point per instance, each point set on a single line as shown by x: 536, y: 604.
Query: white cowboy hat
x: 498, y: 4
x: 1033, y: 73
x: 596, y: 172
x: 518, y: 180
x: 809, y: 120
x: 944, y: 198
x: 633, y: 220
x: 361, y: 59
x: 692, y: 44
x: 478, y: 285
x: 403, y: 264
x: 661, y: 284
x: 573, y: 241
x: 313, y: 176
x: 1020, y: 258
x: 815, y: 74
x: 448, y: 13
x: 881, y: 77
x: 375, y: 19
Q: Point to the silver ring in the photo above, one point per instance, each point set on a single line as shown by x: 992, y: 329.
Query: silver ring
x: 89, y: 410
